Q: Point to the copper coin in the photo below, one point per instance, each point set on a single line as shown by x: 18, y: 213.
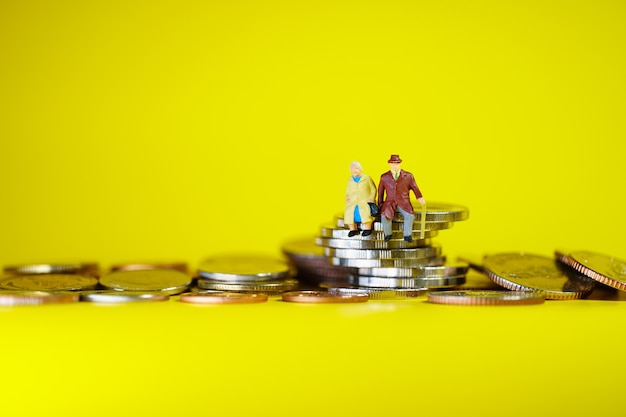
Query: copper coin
x: 602, y: 268
x: 323, y: 297
x: 13, y: 298
x: 485, y: 297
x: 84, y: 268
x: 222, y: 298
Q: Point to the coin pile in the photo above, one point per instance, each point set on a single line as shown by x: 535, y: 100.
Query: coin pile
x: 63, y: 283
x: 246, y: 273
x: 395, y: 268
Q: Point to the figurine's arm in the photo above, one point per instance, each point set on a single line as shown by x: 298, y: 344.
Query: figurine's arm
x: 381, y: 192
x: 416, y: 191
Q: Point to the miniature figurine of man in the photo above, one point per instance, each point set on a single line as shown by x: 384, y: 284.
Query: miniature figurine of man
x: 360, y: 190
x: 393, y: 195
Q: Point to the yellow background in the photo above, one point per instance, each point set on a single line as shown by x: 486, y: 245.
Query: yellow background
x: 164, y: 130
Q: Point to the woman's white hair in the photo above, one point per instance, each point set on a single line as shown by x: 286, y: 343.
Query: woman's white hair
x: 355, y: 163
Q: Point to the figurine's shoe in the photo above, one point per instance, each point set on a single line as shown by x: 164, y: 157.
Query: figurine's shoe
x: 353, y: 233
x: 366, y: 232
x: 387, y: 238
x: 408, y: 239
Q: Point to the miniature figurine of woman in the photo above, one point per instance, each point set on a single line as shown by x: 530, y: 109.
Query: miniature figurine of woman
x: 360, y: 191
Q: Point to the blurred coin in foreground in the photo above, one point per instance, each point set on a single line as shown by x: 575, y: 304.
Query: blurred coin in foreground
x: 485, y: 297
x: 14, y: 298
x: 48, y: 282
x: 310, y: 296
x: 115, y: 297
x: 222, y: 298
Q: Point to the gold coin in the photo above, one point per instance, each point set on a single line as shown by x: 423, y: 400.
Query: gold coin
x: 323, y: 297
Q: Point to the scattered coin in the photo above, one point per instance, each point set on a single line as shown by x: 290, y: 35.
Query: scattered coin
x: 83, y: 268
x: 242, y: 267
x: 407, y: 283
x: 122, y: 296
x: 602, y: 268
x: 14, y: 298
x: 380, y: 293
x: 140, y: 266
x: 222, y: 298
x: 485, y: 297
x: 48, y: 282
x: 529, y: 272
x: 165, y: 281
x: 262, y: 287
x: 323, y: 297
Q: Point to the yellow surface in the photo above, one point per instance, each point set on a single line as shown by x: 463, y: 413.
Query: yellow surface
x: 134, y: 131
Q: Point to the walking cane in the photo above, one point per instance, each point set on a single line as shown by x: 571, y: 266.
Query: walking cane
x: 423, y: 221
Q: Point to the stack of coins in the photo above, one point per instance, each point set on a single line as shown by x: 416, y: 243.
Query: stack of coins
x: 310, y: 264
x: 409, y: 268
x: 241, y: 273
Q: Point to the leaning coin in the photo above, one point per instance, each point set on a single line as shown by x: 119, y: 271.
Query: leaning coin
x: 311, y: 296
x: 244, y: 267
x: 222, y: 298
x: 528, y: 272
x: 602, y: 268
x: 165, y: 281
x: 122, y: 296
x: 14, y: 298
x: 48, y: 282
x: 485, y: 297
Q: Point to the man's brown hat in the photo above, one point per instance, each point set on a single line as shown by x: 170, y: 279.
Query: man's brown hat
x: 395, y: 159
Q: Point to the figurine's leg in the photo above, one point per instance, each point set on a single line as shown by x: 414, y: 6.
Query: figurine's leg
x: 357, y: 219
x: 367, y: 229
x: 408, y: 219
x: 386, y: 227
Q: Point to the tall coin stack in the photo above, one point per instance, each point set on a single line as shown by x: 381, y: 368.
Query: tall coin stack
x: 396, y: 267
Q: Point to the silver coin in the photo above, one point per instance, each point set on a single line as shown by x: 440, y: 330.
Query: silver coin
x: 380, y: 293
x: 529, y: 272
x: 245, y: 268
x: 602, y: 268
x: 48, y: 282
x: 411, y: 253
x: 399, y: 225
x: 165, y: 281
x: 340, y: 233
x: 115, y: 297
x: 260, y: 287
x: 435, y: 271
x: 412, y: 283
x: 402, y: 263
x: 370, y: 244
